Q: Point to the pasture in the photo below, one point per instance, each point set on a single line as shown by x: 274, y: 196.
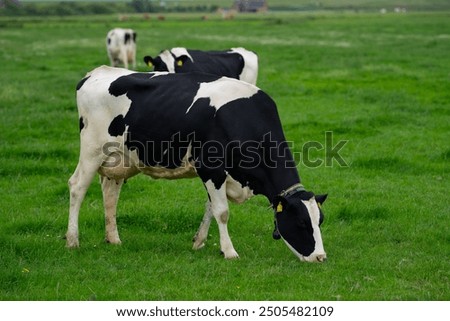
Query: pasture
x: 378, y: 82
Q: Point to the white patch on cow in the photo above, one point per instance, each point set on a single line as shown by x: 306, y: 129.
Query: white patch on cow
x: 222, y: 91
x: 178, y: 52
x: 169, y: 60
x: 319, y: 254
x: 101, y: 109
x: 236, y: 192
x: 159, y: 73
x: 250, y: 70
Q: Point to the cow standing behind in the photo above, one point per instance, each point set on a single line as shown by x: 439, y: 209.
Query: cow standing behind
x: 238, y: 63
x: 225, y: 131
x: 121, y: 47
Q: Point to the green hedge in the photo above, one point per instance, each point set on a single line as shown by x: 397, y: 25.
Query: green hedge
x: 15, y: 8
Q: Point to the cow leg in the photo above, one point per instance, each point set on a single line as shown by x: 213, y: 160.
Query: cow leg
x: 202, y: 233
x: 133, y: 60
x: 111, y: 59
x: 219, y: 209
x: 79, y: 183
x: 124, y: 57
x: 111, y: 191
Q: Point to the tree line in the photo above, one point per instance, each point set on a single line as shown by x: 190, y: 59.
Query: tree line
x: 17, y: 8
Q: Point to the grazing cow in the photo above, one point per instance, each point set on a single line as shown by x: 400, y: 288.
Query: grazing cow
x: 236, y: 63
x: 121, y: 47
x: 173, y: 126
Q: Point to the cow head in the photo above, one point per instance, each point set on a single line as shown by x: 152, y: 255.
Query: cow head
x: 182, y: 62
x: 179, y: 61
x: 298, y: 217
x: 156, y: 63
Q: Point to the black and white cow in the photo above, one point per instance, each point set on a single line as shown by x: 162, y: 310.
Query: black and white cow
x: 173, y: 126
x: 121, y: 47
x: 236, y: 63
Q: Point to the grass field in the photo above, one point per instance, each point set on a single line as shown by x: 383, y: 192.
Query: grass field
x: 380, y: 82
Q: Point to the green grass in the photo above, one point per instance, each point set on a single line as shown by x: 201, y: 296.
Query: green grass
x: 380, y: 82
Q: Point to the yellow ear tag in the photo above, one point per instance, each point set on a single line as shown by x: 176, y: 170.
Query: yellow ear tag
x: 319, y: 205
x: 150, y: 64
x: 279, y: 208
x: 179, y: 63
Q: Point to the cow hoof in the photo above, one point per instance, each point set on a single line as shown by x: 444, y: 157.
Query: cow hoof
x: 230, y: 254
x: 113, y: 241
x: 72, y: 240
x: 198, y: 245
x: 112, y: 238
x: 199, y: 242
x: 72, y: 244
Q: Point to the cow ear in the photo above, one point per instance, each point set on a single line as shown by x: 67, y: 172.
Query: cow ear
x: 279, y: 204
x: 321, y: 198
x: 149, y: 61
x: 179, y: 62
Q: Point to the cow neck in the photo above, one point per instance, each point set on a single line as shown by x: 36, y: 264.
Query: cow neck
x: 292, y: 190
x: 278, y: 172
x: 282, y: 181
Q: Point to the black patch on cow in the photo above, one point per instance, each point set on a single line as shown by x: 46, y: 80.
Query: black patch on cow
x: 81, y: 83
x: 222, y: 63
x: 117, y: 126
x: 81, y: 124
x: 127, y: 37
x: 109, y: 41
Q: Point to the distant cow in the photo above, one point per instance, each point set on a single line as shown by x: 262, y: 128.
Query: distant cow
x: 121, y: 47
x: 237, y: 63
x: 225, y: 131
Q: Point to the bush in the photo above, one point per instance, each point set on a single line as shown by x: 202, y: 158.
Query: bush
x: 141, y: 6
x: 13, y: 8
